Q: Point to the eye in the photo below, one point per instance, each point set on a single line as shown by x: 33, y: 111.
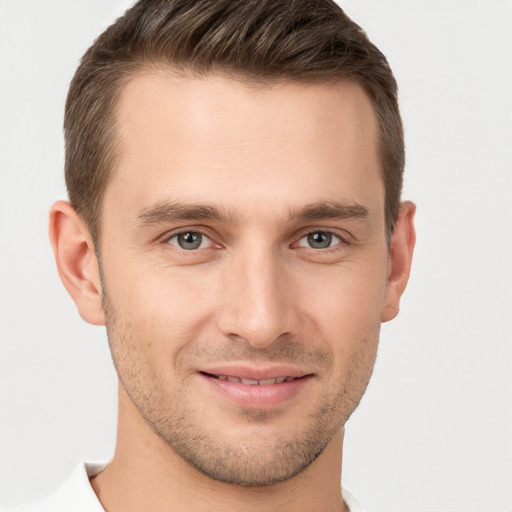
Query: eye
x: 319, y: 240
x: 190, y: 240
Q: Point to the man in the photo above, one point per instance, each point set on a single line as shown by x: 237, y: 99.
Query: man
x: 234, y: 170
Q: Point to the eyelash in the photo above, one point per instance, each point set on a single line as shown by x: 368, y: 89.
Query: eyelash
x: 343, y: 242
x: 165, y: 240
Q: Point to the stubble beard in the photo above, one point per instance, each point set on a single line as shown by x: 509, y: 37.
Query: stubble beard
x: 250, y: 460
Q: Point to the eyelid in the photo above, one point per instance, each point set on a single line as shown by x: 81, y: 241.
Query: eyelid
x: 334, y: 235
x: 164, y: 239
x: 343, y: 235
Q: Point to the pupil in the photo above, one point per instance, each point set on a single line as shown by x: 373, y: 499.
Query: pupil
x: 189, y: 240
x: 320, y: 240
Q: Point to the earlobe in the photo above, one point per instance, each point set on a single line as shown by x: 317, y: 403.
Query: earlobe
x: 400, y: 259
x: 76, y: 261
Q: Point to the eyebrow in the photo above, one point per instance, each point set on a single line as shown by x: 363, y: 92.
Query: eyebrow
x: 164, y: 212
x: 167, y: 212
x: 329, y: 210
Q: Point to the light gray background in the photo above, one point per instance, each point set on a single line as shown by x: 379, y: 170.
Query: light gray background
x: 434, y: 432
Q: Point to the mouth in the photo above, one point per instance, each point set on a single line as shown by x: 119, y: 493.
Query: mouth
x: 252, y: 382
x: 254, y: 388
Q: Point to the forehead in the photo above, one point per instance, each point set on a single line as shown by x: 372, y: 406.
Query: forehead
x: 214, y: 139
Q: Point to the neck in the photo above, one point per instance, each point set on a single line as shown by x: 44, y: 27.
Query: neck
x: 146, y: 474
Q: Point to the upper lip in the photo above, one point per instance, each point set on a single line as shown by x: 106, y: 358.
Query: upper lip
x: 254, y: 372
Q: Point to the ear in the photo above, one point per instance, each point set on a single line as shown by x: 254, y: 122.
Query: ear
x: 76, y: 261
x: 400, y: 259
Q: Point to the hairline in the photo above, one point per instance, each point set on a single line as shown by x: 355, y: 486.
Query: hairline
x: 147, y: 67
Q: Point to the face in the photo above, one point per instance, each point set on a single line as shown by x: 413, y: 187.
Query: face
x: 244, y: 266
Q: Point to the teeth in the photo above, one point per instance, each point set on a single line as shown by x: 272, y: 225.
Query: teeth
x: 249, y: 382
x: 267, y: 382
x: 253, y: 382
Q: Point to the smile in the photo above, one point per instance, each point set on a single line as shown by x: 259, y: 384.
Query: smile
x: 252, y: 382
x: 256, y: 388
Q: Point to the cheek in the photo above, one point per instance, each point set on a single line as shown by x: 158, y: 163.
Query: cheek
x: 345, y: 308
x: 159, y: 308
x: 346, y: 298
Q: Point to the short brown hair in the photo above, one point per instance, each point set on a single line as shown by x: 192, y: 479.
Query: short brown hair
x: 256, y: 41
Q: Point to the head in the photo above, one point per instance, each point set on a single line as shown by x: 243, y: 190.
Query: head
x: 234, y: 172
x: 255, y: 42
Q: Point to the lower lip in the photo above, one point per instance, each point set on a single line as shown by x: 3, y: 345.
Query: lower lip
x: 257, y: 397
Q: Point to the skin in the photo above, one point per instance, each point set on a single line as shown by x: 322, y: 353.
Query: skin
x: 254, y: 293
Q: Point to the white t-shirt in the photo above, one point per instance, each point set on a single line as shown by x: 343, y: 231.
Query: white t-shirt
x: 77, y: 495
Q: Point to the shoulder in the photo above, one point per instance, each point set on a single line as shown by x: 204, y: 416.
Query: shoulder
x: 74, y: 495
x: 351, y: 502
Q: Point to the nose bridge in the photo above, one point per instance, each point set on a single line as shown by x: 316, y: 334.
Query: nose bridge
x: 258, y: 302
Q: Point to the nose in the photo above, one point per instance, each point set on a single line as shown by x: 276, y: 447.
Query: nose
x: 259, y: 300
